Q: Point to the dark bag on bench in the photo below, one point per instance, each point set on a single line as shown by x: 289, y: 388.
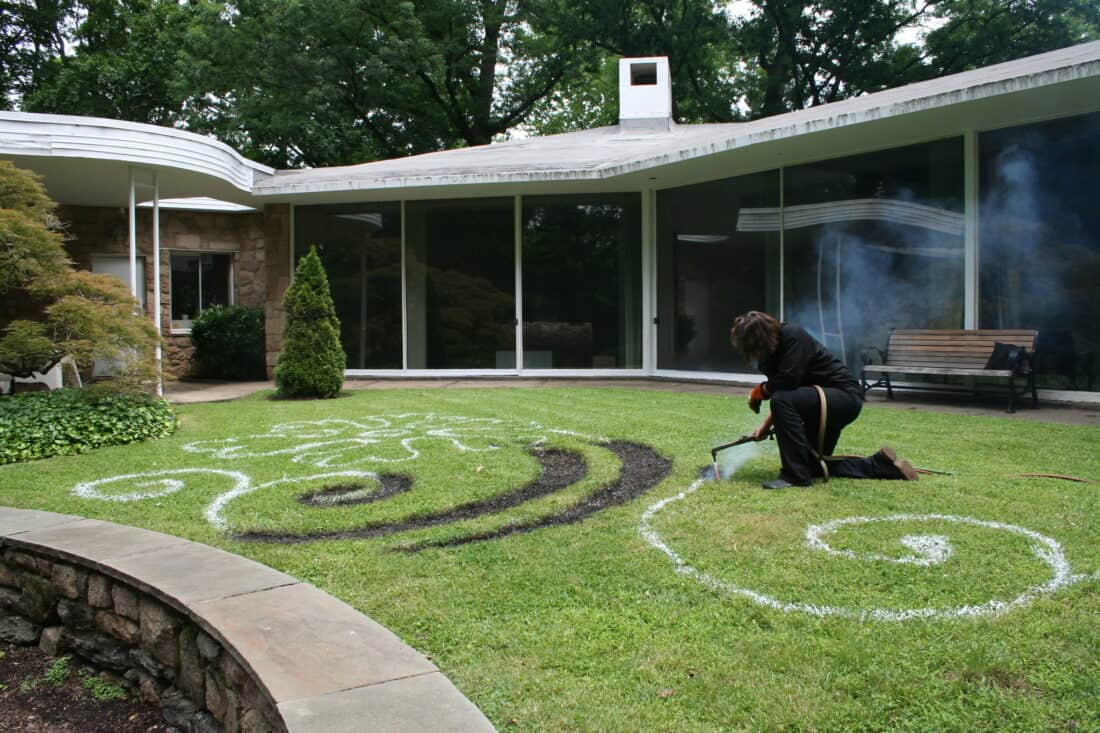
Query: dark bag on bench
x: 1007, y: 356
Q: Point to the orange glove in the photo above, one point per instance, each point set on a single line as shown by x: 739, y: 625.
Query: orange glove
x: 758, y: 395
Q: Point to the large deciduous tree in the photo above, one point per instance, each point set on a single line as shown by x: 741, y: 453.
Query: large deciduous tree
x: 328, y: 82
x: 323, y: 82
x: 51, y: 310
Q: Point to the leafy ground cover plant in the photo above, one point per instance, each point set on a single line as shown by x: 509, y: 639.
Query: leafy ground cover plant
x: 587, y: 624
x: 229, y: 342
x: 65, y: 421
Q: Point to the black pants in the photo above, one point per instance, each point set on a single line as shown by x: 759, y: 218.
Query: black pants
x: 796, y: 414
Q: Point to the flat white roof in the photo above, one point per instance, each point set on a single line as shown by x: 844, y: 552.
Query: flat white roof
x: 611, y: 152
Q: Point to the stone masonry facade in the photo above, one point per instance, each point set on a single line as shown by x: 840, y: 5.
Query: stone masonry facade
x: 105, y: 231
x: 157, y: 652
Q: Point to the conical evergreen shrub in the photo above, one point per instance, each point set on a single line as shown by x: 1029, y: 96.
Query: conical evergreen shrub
x: 312, y: 361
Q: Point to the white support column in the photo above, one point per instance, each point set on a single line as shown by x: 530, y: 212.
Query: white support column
x: 518, y: 218
x: 649, y: 281
x: 156, y: 280
x: 971, y: 232
x: 133, y: 236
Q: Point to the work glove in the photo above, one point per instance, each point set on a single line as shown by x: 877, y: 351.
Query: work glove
x: 757, y: 396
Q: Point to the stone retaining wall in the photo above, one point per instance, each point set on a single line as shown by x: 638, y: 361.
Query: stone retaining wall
x: 157, y: 652
x: 224, y: 644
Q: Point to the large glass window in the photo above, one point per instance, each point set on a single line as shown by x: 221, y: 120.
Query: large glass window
x: 873, y: 242
x: 460, y: 264
x: 1039, y: 257
x: 360, y: 246
x: 199, y: 280
x: 717, y: 256
x: 582, y: 280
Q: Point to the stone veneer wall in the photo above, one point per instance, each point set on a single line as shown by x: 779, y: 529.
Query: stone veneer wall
x: 157, y: 651
x: 277, y: 227
x: 105, y: 231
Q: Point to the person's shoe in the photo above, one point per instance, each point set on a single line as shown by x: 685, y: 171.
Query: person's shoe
x: 902, y: 469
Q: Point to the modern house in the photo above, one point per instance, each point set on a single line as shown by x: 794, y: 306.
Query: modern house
x: 964, y: 202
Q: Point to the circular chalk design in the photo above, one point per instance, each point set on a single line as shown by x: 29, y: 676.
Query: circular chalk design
x: 925, y: 551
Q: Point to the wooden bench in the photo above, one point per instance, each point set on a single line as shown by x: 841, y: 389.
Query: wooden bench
x: 955, y: 354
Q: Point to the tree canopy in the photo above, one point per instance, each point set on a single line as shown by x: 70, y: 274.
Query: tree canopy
x: 51, y: 310
x: 329, y: 82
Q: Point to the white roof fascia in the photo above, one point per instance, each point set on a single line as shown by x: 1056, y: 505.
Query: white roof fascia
x: 546, y: 159
x: 69, y: 136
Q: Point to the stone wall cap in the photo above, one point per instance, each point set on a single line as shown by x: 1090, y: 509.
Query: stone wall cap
x: 323, y: 664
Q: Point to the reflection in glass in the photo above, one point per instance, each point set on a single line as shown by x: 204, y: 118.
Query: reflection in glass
x: 214, y: 279
x: 715, y: 259
x: 460, y: 269
x: 360, y: 247
x: 582, y: 280
x: 1039, y: 257
x: 874, y: 242
x: 185, y: 289
x: 198, y: 280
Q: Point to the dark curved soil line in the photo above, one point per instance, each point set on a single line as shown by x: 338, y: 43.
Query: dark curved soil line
x: 643, y: 468
x: 559, y: 470
x: 328, y: 497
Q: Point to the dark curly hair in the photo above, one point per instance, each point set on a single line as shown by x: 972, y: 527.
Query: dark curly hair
x: 755, y: 334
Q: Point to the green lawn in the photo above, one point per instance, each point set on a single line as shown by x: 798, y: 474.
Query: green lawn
x: 589, y: 626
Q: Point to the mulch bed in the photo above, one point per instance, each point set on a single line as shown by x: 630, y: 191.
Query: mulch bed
x: 64, y: 708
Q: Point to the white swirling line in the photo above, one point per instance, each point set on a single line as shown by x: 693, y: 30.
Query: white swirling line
x: 372, y: 430
x: 1053, y: 555
x: 243, y: 484
x: 213, y: 512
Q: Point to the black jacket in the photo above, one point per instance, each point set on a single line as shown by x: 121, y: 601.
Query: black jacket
x: 800, y: 361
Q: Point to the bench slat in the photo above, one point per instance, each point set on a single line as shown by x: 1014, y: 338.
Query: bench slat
x: 991, y: 332
x: 949, y: 371
x: 972, y: 343
x: 970, y: 363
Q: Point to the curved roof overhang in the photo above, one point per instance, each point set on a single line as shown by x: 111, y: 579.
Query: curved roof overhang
x: 86, y: 161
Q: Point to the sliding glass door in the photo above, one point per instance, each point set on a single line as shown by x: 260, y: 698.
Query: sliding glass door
x: 460, y: 284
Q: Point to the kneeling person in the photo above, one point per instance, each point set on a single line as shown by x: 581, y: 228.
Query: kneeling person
x: 806, y: 383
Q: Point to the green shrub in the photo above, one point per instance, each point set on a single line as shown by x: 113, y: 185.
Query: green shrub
x: 66, y: 421
x: 229, y: 342
x: 312, y: 361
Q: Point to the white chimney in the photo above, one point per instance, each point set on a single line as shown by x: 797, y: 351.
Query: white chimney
x: 645, y: 94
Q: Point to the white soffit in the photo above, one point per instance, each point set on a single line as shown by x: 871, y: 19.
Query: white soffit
x: 86, y: 160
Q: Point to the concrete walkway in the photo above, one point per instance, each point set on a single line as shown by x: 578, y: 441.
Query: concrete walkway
x: 1065, y: 414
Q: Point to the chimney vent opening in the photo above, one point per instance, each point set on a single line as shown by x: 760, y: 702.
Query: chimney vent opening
x: 643, y: 75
